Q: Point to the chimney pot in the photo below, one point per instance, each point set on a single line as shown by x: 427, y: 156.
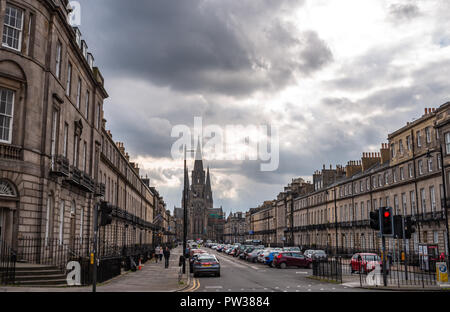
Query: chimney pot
x: 425, y: 110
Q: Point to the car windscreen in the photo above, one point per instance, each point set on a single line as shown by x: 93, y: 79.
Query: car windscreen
x: 205, y: 260
x: 371, y: 258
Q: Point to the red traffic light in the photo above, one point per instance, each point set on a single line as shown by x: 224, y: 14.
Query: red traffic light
x: 386, y: 214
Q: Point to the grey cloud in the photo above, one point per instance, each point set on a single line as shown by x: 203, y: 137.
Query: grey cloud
x: 403, y: 11
x: 204, y: 46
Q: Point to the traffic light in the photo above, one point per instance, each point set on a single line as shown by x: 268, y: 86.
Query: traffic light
x: 409, y: 227
x: 375, y: 220
x: 105, y: 213
x: 398, y: 226
x: 387, y: 221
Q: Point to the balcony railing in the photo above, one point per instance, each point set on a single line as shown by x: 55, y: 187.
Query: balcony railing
x: 8, y: 151
x: 59, y: 166
x: 74, y: 176
x: 87, y: 183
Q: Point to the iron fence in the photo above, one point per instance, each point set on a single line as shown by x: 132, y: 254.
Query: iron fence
x: 7, y: 264
x: 404, y: 271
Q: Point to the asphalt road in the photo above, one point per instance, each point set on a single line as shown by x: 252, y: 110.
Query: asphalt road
x: 242, y: 276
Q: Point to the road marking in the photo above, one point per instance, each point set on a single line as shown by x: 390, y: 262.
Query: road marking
x: 301, y: 272
x: 213, y: 287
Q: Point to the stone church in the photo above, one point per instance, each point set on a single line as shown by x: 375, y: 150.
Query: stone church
x: 204, y: 221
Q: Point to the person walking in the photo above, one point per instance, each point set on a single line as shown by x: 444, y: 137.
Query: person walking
x: 167, y: 256
x: 161, y: 251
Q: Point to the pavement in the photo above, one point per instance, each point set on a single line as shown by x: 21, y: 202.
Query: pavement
x: 153, y: 277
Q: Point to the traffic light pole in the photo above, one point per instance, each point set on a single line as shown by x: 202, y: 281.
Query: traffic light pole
x: 404, y: 248
x: 94, y: 257
x: 383, y: 246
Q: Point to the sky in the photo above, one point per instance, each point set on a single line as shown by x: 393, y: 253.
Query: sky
x: 334, y: 77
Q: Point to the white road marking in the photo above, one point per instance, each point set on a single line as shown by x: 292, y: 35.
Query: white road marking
x: 301, y: 272
x: 220, y: 287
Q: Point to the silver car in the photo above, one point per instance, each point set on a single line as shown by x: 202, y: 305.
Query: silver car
x: 206, y: 264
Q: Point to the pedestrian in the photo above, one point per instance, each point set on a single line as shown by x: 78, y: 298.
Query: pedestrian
x: 166, y: 256
x: 161, y: 251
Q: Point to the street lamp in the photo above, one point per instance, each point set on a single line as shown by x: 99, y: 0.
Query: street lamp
x: 185, y: 197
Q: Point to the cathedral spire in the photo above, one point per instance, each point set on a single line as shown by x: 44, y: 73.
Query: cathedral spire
x: 208, y: 182
x: 198, y: 165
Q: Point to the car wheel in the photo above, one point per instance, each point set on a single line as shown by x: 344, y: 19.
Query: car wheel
x: 283, y: 265
x: 218, y: 274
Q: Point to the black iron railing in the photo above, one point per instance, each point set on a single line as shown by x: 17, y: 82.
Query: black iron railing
x: 7, y: 264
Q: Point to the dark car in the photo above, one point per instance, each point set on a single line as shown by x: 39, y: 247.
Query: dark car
x: 194, y: 253
x: 206, y: 264
x: 288, y: 259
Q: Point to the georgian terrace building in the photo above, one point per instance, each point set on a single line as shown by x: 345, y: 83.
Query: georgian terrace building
x: 56, y: 158
x: 405, y: 175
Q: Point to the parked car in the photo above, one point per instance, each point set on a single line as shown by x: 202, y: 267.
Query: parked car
x: 296, y: 249
x: 319, y: 255
x: 286, y: 259
x: 365, y: 262
x: 246, y: 251
x: 253, y: 255
x: 308, y: 253
x: 269, y: 258
x: 206, y: 264
x: 262, y: 255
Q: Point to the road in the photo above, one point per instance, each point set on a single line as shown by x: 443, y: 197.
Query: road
x: 242, y: 276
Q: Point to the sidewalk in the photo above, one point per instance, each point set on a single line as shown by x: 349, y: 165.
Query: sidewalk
x: 153, y: 277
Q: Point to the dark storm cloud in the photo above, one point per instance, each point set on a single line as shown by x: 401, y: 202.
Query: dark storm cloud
x: 224, y: 47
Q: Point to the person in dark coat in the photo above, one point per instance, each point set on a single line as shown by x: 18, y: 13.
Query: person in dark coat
x: 166, y: 256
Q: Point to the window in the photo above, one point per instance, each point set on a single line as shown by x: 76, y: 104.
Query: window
x: 432, y: 199
x: 6, y: 115
x: 66, y: 133
x: 58, y: 60
x: 396, y: 205
x: 420, y: 166
x: 362, y: 211
x: 428, y: 134
x: 98, y: 116
x: 79, y: 93
x: 412, y: 198
x: 386, y: 178
x: 447, y: 143
x: 422, y: 199
x: 75, y: 151
x: 54, y: 133
x: 402, y: 174
x: 410, y: 170
x: 439, y: 161
x: 392, y: 150
x: 13, y: 27
x: 69, y: 80
x: 430, y: 164
x: 84, y: 155
x: 400, y: 147
x: 368, y: 184
x: 404, y: 204
x: 408, y: 142
x: 30, y: 24
x: 419, y: 144
x: 87, y: 106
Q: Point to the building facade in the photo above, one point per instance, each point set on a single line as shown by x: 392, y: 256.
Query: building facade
x: 57, y: 160
x: 406, y: 174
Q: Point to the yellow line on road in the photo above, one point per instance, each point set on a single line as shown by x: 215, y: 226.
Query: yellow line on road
x: 198, y: 285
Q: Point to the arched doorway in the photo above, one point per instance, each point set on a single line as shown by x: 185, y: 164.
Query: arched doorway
x: 8, y: 204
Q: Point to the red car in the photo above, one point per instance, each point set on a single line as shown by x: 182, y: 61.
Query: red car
x: 365, y: 262
x: 287, y: 258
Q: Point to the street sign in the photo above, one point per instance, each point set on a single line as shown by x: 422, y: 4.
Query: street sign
x: 441, y: 272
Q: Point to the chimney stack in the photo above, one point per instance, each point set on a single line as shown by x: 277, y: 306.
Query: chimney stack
x: 385, y: 153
